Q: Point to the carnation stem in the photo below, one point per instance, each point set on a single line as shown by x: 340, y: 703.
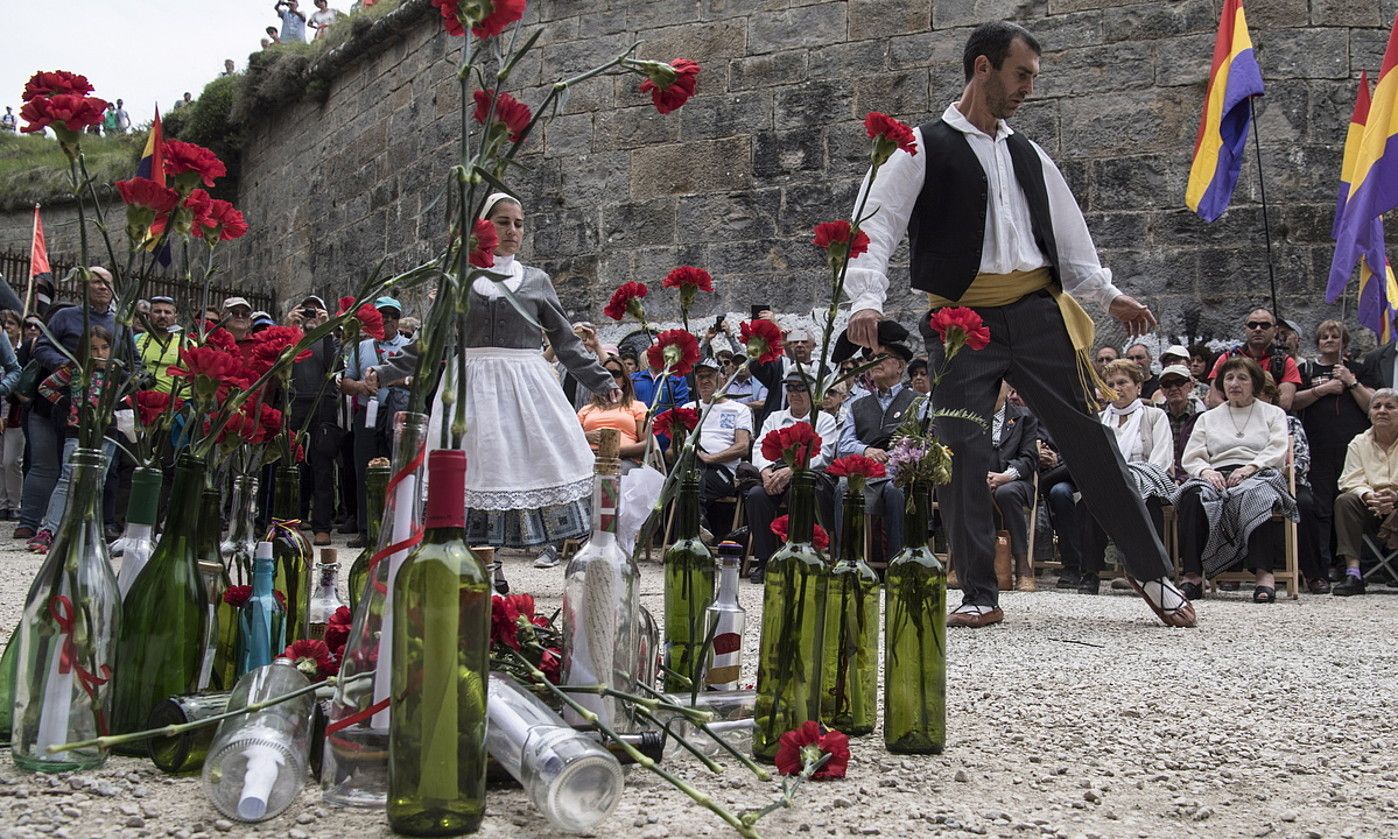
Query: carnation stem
x: 689, y: 747
x: 756, y: 769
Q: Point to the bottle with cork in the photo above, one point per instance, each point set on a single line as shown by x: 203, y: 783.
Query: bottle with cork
x: 325, y: 597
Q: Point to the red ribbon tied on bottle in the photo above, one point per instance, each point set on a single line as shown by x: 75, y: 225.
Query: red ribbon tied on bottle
x: 61, y: 610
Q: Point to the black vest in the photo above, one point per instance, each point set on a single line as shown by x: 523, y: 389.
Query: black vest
x: 875, y: 426
x: 947, y: 227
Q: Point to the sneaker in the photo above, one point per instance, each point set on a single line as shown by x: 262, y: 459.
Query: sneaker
x: 41, y: 542
x: 547, y: 559
x: 1348, y: 587
x: 23, y: 532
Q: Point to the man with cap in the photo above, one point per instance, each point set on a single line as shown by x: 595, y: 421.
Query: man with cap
x: 1175, y: 354
x: 762, y: 500
x: 1140, y: 353
x: 725, y: 434
x: 992, y: 225
x: 261, y: 320
x: 237, y: 319
x: 158, y: 348
x: 373, y: 407
x: 1182, y: 408
x: 873, y: 419
x: 313, y: 406
x: 799, y: 347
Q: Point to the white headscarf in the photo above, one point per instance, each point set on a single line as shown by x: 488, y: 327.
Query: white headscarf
x: 485, y: 286
x: 1128, y: 434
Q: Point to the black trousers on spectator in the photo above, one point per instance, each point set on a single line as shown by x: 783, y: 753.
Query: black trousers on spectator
x: 1063, y: 512
x: 1265, y: 544
x: 716, y: 482
x: 1326, y: 465
x: 761, y: 510
x: 1308, y: 548
x: 369, y: 443
x: 349, y: 482
x: 1094, y: 537
x: 317, y: 477
x: 1011, y: 500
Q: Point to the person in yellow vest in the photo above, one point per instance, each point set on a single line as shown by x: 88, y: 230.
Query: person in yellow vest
x: 159, y: 346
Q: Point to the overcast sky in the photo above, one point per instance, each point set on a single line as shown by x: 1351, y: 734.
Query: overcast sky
x: 141, y: 51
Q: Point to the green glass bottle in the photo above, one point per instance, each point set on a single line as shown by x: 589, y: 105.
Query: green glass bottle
x: 849, y: 702
x: 215, y: 582
x: 375, y: 490
x: 689, y: 591
x: 915, y: 662
x: 790, y: 660
x: 293, y: 553
x: 441, y: 638
x: 165, y: 615
x: 7, y: 683
x: 182, y: 754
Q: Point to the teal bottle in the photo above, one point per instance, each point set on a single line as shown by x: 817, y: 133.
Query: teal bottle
x: 261, y: 620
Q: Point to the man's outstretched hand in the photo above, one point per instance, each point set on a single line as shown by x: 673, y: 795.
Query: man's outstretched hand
x: 863, y: 328
x: 1133, y: 315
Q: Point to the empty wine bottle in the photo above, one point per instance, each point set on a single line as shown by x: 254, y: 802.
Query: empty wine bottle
x: 293, y: 553
x: 689, y: 589
x: 138, y: 542
x: 727, y: 622
x: 325, y: 598
x: 375, y: 490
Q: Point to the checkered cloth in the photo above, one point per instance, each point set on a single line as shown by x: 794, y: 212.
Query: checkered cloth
x: 1234, y: 513
x: 1151, y: 480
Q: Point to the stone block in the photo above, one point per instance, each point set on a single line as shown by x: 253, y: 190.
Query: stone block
x: 882, y: 18
x: 568, y: 134
x: 1304, y: 223
x: 770, y: 70
x: 751, y: 214
x: 1062, y: 32
x: 806, y: 204
x: 806, y: 26
x: 846, y: 148
x: 1038, y: 120
x: 744, y: 256
x: 628, y: 128
x: 945, y: 83
x: 855, y: 59
x: 899, y: 94
x: 947, y: 13
x: 639, y: 223
x: 595, y: 179
x: 782, y: 154
x: 1118, y: 230
x: 550, y: 10
x: 705, y: 42
x: 1346, y: 13
x: 1151, y: 120
x: 720, y: 9
x: 565, y: 232
x: 571, y: 57
x: 944, y: 46
x: 1096, y: 70
x: 1283, y: 114
x: 686, y: 168
x: 1152, y: 275
x: 1269, y: 15
x: 1152, y: 21
x: 1332, y: 103
x: 1178, y: 227
x: 655, y: 13
x: 1058, y: 7
x: 1366, y: 47
x: 810, y: 103
x: 1184, y: 60
x: 1303, y: 53
x: 725, y: 115
x: 1138, y: 182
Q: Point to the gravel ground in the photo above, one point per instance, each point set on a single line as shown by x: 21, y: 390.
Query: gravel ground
x: 1079, y: 716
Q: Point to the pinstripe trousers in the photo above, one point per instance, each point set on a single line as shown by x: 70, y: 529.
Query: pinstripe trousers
x: 1029, y: 347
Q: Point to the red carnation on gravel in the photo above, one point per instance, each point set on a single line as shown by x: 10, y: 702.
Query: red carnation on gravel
x: 312, y: 658
x: 676, y: 349
x: 64, y: 112
x: 888, y: 135
x: 676, y: 421
x: 627, y: 300
x: 763, y: 339
x: 511, y: 113
x: 833, y: 237
x: 670, y: 87
x: 55, y: 82
x: 958, y: 325
x: 370, y: 318
x: 484, y: 241
x: 505, y: 614
x: 189, y: 163
x: 855, y: 466
x: 805, y: 745
x: 795, y: 445
x: 819, y: 538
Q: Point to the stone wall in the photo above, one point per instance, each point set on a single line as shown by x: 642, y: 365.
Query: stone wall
x: 773, y: 143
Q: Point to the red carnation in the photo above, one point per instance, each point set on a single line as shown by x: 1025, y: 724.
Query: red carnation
x: 484, y: 241
x: 855, y: 466
x: 795, y: 445
x: 222, y: 222
x: 958, y: 325
x: 763, y: 339
x: 269, y: 344
x: 806, y: 745
x: 689, y: 280
x: 55, y: 82
x: 65, y: 112
x: 627, y: 300
x: 236, y: 596
x: 145, y: 202
x: 207, y: 368
x: 676, y: 421
x: 670, y: 86
x: 551, y: 665
x: 888, y: 135
x: 370, y: 318
x: 676, y: 349
x: 337, y: 631
x: 221, y: 339
x: 189, y: 164
x: 834, y: 238
x: 819, y: 538
x: 312, y: 658
x: 510, y: 113
x: 505, y: 618
x: 502, y: 13
x: 151, y: 405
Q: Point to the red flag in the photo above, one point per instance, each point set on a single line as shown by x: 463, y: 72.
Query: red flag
x: 40, y: 289
x: 38, y: 252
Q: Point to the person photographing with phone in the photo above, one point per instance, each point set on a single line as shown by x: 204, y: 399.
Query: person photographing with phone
x: 374, y: 404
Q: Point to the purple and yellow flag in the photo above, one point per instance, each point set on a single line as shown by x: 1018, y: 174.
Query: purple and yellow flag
x: 1234, y: 78
x: 1373, y: 299
x: 1377, y: 301
x: 152, y: 166
x: 1373, y: 180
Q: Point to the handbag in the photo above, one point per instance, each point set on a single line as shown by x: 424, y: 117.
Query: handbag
x: 27, y: 386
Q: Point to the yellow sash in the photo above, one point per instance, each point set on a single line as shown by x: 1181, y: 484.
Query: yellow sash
x: 988, y: 290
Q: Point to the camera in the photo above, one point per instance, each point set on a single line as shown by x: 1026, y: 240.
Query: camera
x: 718, y: 323
x: 309, y: 312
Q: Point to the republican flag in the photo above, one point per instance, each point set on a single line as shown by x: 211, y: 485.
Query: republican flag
x: 1354, y: 136
x: 40, y: 289
x: 152, y: 166
x: 1373, y: 180
x: 1372, y: 295
x: 1377, y: 301
x: 1223, y: 128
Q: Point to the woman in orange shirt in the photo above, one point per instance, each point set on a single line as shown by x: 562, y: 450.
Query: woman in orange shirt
x: 628, y: 416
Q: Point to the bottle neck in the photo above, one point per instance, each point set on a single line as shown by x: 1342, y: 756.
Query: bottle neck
x: 852, y: 532
x: 801, y: 507
x: 687, y: 509
x: 917, y: 515
x: 243, y: 511
x: 329, y: 571
x: 606, y: 502
x: 728, y: 580
x: 210, y: 521
x: 186, y: 497
x: 143, y: 506
x: 446, y: 496
x: 262, y: 573
x: 287, y: 505
x: 375, y: 491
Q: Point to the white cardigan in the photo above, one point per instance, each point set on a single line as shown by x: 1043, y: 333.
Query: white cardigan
x: 1157, y: 443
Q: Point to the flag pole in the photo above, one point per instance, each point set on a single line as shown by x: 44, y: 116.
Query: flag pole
x: 29, y: 286
x: 1266, y: 222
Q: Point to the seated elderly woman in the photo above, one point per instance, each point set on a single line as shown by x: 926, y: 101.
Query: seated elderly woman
x: 1234, y: 457
x: 1368, y: 489
x: 1143, y: 436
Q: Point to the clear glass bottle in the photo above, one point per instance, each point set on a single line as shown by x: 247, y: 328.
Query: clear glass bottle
x: 727, y: 622
x: 689, y: 589
x: 257, y: 763
x: 375, y: 488
x: 600, y: 603
x: 647, y: 649
x: 215, y: 582
x: 915, y: 662
x: 850, y: 700
x: 441, y: 662
x: 142, y: 512
x: 241, y: 545
x: 184, y: 753
x: 355, y: 770
x: 569, y: 778
x: 165, y: 616
x: 732, y: 720
x: 325, y: 597
x: 68, y: 635
x: 790, y: 659
x: 261, y: 620
x: 292, y: 551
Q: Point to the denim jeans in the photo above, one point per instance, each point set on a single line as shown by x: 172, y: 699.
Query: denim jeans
x: 58, y: 502
x: 45, y: 457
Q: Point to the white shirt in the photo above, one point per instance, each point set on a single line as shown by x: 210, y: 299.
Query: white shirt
x: 719, y: 428
x: 826, y: 426
x: 1009, y: 237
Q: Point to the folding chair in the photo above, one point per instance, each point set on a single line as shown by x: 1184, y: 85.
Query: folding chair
x: 1384, y: 562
